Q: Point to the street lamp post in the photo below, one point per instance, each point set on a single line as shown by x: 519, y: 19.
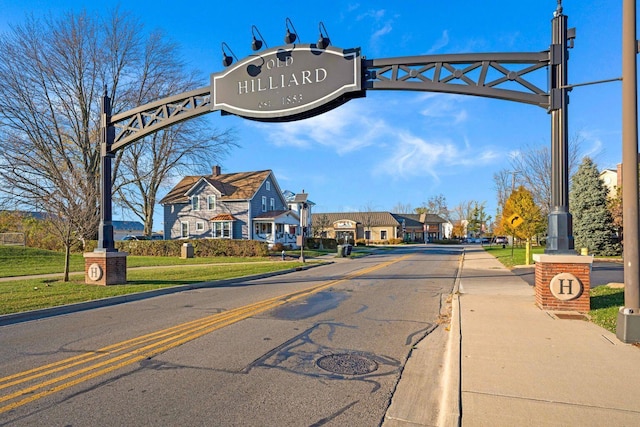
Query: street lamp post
x: 560, y: 238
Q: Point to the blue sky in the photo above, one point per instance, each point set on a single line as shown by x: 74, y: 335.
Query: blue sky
x: 394, y: 147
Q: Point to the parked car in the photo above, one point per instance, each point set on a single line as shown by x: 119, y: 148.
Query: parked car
x: 131, y: 237
x: 501, y: 240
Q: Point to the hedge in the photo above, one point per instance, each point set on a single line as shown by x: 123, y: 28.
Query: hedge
x: 201, y: 247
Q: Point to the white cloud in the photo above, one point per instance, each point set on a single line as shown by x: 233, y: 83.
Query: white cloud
x: 386, y: 29
x: 440, y: 43
x: 444, y: 108
x: 345, y: 129
x: 375, y: 14
x: 415, y: 156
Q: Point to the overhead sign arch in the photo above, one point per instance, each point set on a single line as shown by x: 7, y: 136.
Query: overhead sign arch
x: 297, y: 81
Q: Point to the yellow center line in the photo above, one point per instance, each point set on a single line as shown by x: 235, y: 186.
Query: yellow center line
x: 160, y: 342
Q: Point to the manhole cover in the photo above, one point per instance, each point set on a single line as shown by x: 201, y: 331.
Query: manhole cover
x: 347, y: 364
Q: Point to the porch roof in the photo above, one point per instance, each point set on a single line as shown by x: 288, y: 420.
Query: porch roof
x: 275, y: 215
x: 223, y: 217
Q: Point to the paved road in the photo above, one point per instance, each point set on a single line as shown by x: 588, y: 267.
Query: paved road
x: 324, y: 346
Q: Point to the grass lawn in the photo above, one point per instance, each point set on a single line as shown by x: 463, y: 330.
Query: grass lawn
x: 30, y: 294
x: 20, y: 261
x: 510, y: 258
x: 605, y: 304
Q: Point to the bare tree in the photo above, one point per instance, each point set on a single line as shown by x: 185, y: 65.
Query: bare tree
x: 320, y: 224
x: 402, y: 208
x: 532, y: 168
x: 142, y: 168
x: 464, y: 210
x: 52, y: 76
x: 47, y: 88
x: 436, y: 205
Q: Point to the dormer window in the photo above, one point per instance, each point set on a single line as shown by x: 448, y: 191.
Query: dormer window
x: 268, y: 186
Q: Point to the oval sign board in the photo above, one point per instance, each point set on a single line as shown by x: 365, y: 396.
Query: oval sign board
x: 288, y: 83
x: 565, y: 286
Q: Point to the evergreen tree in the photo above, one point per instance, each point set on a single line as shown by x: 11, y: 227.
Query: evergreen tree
x: 593, y: 226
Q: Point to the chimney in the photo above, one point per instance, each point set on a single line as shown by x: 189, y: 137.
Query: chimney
x: 215, y: 170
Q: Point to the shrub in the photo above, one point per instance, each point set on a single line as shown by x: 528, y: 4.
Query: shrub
x: 201, y: 247
x: 278, y: 247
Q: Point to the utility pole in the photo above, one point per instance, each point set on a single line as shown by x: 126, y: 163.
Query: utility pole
x: 628, y: 326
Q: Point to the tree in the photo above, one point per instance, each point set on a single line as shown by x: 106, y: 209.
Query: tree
x: 522, y: 203
x: 402, y: 208
x: 592, y: 221
x: 614, y: 204
x: 52, y: 77
x: 143, y: 167
x: 436, y: 205
x: 320, y: 224
x: 532, y: 168
x: 478, y: 219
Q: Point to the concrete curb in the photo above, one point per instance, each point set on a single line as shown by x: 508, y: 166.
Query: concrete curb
x: 450, y: 411
x: 25, y: 316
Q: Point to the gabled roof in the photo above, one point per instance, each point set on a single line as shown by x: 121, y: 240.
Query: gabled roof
x: 232, y: 186
x: 291, y: 197
x: 373, y: 219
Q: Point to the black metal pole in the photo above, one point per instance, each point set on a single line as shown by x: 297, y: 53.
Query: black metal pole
x: 560, y: 233
x: 107, y: 136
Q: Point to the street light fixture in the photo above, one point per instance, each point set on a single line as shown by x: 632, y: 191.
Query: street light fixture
x: 256, y: 44
x: 323, y: 41
x: 290, y: 37
x: 226, y: 59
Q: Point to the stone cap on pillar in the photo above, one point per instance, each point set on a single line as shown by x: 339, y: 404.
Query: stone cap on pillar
x: 563, y: 259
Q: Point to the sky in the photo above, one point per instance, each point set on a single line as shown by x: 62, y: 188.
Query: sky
x: 392, y: 147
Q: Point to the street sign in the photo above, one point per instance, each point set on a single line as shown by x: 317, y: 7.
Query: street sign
x: 288, y: 83
x: 515, y: 220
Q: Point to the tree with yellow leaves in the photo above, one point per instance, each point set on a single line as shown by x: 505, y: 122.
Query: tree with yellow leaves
x: 521, y: 202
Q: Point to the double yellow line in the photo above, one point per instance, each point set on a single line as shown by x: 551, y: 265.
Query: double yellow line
x: 54, y: 377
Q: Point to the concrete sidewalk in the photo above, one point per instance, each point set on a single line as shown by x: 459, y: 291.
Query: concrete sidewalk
x: 522, y: 366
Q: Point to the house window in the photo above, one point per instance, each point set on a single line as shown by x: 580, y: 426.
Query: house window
x: 221, y: 230
x: 263, y: 228
x: 272, y: 204
x: 199, y: 226
x: 211, y: 202
x: 383, y: 234
x: 264, y: 204
x: 367, y: 235
x: 268, y: 186
x: 195, y: 203
x: 184, y: 230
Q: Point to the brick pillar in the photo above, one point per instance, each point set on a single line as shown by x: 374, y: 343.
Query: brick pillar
x: 563, y: 282
x: 105, y: 268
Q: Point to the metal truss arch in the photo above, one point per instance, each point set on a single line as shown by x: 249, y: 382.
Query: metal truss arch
x: 149, y: 118
x: 478, y: 74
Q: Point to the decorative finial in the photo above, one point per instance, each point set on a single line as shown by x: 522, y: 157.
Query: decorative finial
x: 558, y: 10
